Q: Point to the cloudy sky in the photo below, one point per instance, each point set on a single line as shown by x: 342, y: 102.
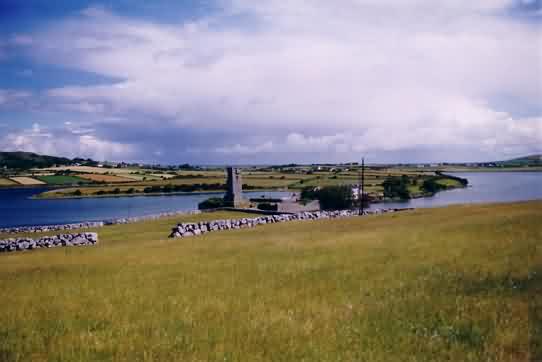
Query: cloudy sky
x: 243, y: 81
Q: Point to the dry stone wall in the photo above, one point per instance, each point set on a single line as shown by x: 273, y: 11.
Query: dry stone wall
x: 192, y: 229
x: 21, y: 244
x: 46, y: 228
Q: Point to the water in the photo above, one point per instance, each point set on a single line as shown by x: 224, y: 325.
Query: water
x: 17, y: 209
x: 483, y: 187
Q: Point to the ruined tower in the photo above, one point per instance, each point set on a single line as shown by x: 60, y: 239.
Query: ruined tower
x: 234, y: 194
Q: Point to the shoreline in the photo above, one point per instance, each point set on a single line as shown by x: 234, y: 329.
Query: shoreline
x: 136, y: 194
x: 93, y: 224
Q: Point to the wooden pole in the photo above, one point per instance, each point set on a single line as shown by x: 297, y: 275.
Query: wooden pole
x: 362, y: 185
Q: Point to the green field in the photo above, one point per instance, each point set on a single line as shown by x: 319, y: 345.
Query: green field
x: 61, y: 180
x: 461, y: 283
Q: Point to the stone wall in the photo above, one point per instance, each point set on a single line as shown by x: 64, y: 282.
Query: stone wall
x: 46, y: 228
x: 20, y: 244
x: 191, y: 229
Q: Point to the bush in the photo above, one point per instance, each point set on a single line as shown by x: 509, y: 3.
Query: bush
x: 335, y: 197
x: 308, y: 193
x: 77, y: 192
x: 432, y: 186
x: 396, y: 187
x: 212, y: 203
x: 266, y: 206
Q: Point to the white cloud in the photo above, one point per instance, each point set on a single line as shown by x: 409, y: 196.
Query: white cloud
x: 246, y: 150
x: 69, y: 144
x: 506, y: 137
x: 367, y: 74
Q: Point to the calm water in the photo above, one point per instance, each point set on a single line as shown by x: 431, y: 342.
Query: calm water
x: 17, y: 209
x: 483, y: 187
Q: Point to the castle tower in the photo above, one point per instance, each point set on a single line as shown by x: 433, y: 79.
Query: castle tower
x: 234, y: 194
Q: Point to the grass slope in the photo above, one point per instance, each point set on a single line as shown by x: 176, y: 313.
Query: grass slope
x: 462, y: 283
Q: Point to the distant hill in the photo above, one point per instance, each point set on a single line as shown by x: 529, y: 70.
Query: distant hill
x: 531, y: 160
x: 27, y: 160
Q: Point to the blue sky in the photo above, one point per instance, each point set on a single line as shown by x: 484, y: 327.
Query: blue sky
x: 238, y: 81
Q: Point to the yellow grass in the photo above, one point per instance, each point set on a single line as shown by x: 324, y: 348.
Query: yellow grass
x: 462, y: 283
x: 104, y: 178
x: 6, y: 182
x: 23, y: 180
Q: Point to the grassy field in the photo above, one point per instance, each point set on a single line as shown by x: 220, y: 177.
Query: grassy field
x: 60, y: 180
x: 138, y: 179
x: 6, y: 182
x: 27, y: 181
x: 104, y: 178
x: 462, y: 283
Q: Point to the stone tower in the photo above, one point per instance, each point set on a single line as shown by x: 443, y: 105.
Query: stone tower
x: 234, y: 194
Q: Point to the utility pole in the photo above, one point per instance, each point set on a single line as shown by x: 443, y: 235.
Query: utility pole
x: 361, y: 186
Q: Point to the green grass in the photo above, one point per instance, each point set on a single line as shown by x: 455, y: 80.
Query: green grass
x: 61, y: 180
x: 450, y: 183
x: 462, y: 283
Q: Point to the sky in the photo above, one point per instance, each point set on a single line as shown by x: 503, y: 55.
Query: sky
x: 255, y: 82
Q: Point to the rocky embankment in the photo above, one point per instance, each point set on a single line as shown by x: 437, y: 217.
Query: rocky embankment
x: 92, y: 224
x: 191, y: 229
x: 20, y: 244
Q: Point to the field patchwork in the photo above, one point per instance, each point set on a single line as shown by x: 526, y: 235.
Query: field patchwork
x: 27, y: 181
x: 6, y: 182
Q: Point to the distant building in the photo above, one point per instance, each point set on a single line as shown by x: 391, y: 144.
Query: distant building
x: 234, y: 193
